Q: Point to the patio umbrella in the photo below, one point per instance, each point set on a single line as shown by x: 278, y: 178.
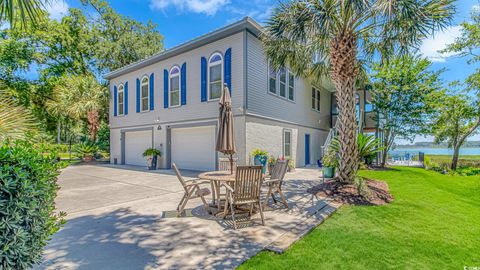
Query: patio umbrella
x: 225, y: 139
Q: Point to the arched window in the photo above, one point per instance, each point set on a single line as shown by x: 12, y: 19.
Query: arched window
x: 121, y: 99
x: 215, y: 76
x: 174, y: 91
x: 144, y: 94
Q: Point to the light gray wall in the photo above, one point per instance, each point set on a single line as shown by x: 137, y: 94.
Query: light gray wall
x: 194, y: 109
x: 261, y: 102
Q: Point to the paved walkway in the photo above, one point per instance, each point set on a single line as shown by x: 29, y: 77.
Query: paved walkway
x: 122, y: 217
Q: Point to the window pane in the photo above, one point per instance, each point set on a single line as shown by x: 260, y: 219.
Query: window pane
x: 174, y: 71
x: 145, y: 104
x: 291, y: 80
x: 290, y: 93
x: 215, y: 90
x: 175, y: 84
x: 283, y: 75
x: 215, y: 58
x: 287, y: 137
x: 215, y: 73
x: 273, y: 72
x: 144, y: 91
x: 282, y: 89
x: 318, y: 100
x: 120, y: 108
x: 287, y: 150
x: 273, y: 86
x: 120, y: 97
x: 174, y: 98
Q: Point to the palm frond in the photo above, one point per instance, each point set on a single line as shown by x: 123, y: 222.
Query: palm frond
x: 15, y: 121
x: 22, y: 11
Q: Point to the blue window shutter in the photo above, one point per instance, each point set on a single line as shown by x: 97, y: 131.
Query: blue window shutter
x: 125, y: 97
x: 165, y: 88
x: 183, y: 83
x: 138, y: 95
x: 115, y: 101
x: 204, y: 80
x: 152, y: 99
x: 228, y: 69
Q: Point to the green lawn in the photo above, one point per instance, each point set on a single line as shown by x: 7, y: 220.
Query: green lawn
x: 433, y: 223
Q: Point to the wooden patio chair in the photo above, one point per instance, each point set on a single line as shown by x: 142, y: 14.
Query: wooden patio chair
x: 192, y: 191
x: 245, y: 191
x: 224, y: 164
x: 275, y: 182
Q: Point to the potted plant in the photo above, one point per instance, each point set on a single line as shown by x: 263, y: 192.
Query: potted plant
x: 260, y: 157
x: 152, y: 155
x: 271, y: 164
x: 329, y: 161
x: 291, y: 165
x: 86, y: 151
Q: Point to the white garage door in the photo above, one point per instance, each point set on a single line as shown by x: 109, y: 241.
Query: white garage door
x: 194, y: 148
x: 135, y: 143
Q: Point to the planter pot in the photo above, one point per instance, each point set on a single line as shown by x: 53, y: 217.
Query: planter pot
x: 261, y: 160
x: 152, y: 163
x: 88, y: 158
x: 328, y: 172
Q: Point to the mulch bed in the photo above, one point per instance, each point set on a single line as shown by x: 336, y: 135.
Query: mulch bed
x: 374, y: 192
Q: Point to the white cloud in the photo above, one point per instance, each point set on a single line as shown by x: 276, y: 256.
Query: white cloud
x: 476, y: 8
x: 208, y: 7
x: 439, y: 41
x: 57, y: 9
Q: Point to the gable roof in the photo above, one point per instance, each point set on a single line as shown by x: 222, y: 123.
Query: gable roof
x: 246, y: 23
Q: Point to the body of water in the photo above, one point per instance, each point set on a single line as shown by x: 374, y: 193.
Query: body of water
x: 436, y: 151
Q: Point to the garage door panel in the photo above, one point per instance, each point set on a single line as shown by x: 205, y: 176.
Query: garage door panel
x: 194, y: 148
x: 135, y: 144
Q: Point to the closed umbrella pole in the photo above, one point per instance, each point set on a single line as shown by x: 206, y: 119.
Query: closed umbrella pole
x: 225, y: 137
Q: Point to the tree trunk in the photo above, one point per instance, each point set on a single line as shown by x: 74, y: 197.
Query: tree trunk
x: 93, y: 120
x: 344, y: 71
x: 456, y: 151
x: 59, y: 131
x: 385, y: 147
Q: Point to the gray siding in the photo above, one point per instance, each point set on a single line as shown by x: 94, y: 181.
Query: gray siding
x: 261, y: 102
x: 194, y: 109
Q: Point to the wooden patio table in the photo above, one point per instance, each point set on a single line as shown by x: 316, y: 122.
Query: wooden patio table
x: 217, y: 178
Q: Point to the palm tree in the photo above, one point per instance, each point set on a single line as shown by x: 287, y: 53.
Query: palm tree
x: 23, y: 10
x: 15, y: 121
x: 81, y: 98
x: 317, y: 38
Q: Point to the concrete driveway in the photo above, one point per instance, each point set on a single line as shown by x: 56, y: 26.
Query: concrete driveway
x: 122, y: 217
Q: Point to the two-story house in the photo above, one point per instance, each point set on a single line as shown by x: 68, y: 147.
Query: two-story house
x: 170, y: 101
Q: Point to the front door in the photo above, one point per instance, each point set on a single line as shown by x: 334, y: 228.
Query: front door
x: 307, y: 149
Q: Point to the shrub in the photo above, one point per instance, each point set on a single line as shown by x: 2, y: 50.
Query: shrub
x: 258, y: 152
x: 330, y: 158
x: 150, y: 152
x: 28, y: 189
x: 85, y: 149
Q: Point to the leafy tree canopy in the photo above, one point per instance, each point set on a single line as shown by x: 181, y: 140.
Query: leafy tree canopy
x: 403, y: 90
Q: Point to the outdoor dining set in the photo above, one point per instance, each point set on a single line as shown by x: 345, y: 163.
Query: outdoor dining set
x: 232, y: 187
x: 236, y: 191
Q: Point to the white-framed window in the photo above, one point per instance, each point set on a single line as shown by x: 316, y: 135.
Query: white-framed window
x: 287, y: 143
x: 215, y: 76
x: 281, y: 83
x: 291, y: 86
x: 144, y: 94
x: 174, y: 91
x: 315, y: 99
x: 121, y: 100
x: 272, y: 80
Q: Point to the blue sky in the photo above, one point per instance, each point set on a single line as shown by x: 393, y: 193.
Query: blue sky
x: 182, y: 20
